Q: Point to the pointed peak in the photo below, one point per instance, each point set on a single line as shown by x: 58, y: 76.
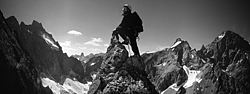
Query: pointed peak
x: 229, y: 39
x: 203, y: 47
x: 13, y: 23
x: 12, y: 19
x: 82, y: 54
x: 37, y: 28
x: 34, y: 22
x: 177, y: 42
x: 229, y: 34
x: 22, y: 23
x: 180, y: 42
x: 178, y: 39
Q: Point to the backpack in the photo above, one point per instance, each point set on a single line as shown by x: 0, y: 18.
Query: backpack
x: 138, y: 23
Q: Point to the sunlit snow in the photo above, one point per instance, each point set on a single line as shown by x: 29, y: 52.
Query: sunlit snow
x: 28, y: 31
x: 69, y: 85
x: 92, y: 64
x: 171, y: 88
x: 192, y: 77
x: 50, y: 42
x: 176, y: 43
x: 174, y: 87
x: 221, y: 36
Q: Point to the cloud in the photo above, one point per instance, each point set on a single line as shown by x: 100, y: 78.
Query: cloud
x: 72, y: 48
x: 106, y: 45
x: 66, y: 43
x: 73, y: 32
x: 94, y: 42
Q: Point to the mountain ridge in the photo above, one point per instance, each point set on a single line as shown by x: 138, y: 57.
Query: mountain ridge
x: 221, y: 66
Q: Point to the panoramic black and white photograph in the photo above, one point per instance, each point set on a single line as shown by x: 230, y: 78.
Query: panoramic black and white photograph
x: 125, y: 46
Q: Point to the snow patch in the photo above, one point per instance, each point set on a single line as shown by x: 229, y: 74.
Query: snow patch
x: 29, y: 31
x: 69, y: 85
x: 78, y: 58
x: 203, y: 60
x: 164, y: 64
x: 192, y: 56
x: 55, y: 87
x: 148, y: 52
x: 171, y: 88
x: 174, y: 87
x: 93, y: 76
x: 75, y: 86
x: 92, y: 64
x: 221, y: 36
x: 192, y: 77
x: 48, y: 41
x: 176, y: 43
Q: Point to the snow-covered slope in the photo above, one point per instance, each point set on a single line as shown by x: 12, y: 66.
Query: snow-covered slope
x: 69, y: 86
x: 176, y: 43
x: 192, y: 77
x: 50, y: 42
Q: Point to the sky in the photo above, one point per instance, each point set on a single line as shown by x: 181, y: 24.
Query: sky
x: 86, y: 25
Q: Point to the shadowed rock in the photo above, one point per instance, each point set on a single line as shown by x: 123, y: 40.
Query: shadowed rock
x: 120, y: 74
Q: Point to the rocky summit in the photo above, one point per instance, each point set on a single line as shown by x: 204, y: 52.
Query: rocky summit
x: 32, y: 62
x: 120, y: 74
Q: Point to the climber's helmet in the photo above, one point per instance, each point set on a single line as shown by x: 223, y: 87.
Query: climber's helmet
x: 126, y: 9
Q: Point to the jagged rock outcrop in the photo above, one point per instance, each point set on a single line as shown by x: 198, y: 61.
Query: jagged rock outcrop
x: 164, y: 68
x: 120, y: 74
x: 28, y: 53
x: 79, y: 57
x: 45, y: 52
x: 219, y: 67
x: 229, y: 53
x: 19, y: 74
x: 91, y: 65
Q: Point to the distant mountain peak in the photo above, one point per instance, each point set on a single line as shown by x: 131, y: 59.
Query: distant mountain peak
x: 230, y: 40
x: 36, y: 23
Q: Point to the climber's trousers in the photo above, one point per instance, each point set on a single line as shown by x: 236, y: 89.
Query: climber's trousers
x: 127, y: 36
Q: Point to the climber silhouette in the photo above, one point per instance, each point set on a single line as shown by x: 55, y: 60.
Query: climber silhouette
x: 129, y: 28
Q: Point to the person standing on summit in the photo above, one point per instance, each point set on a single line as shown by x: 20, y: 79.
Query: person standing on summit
x: 129, y: 28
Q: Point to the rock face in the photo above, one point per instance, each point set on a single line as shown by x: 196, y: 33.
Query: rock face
x: 219, y: 67
x: 91, y: 63
x: 28, y: 53
x: 229, y: 54
x: 164, y: 68
x: 20, y: 76
x: 45, y: 52
x: 121, y: 74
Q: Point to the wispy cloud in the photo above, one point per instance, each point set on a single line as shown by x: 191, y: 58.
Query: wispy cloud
x: 67, y: 48
x: 94, y: 42
x: 66, y: 43
x: 74, y: 32
x: 72, y: 48
x: 106, y: 45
